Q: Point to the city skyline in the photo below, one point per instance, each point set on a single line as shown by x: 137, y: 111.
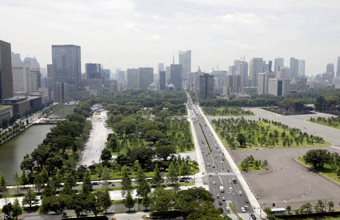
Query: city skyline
x: 207, y: 28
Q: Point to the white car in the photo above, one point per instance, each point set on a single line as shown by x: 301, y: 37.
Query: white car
x: 243, y: 209
x: 214, y: 183
x: 240, y: 193
x: 228, y: 209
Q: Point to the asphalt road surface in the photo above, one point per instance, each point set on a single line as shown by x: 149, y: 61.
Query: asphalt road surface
x: 96, y: 143
x: 217, y: 168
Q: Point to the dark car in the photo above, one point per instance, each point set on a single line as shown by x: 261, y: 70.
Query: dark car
x: 220, y: 202
x: 253, y: 216
x: 246, y: 200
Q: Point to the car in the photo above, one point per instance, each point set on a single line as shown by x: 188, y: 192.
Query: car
x: 214, y: 182
x: 223, y: 198
x: 229, y: 179
x: 217, y: 196
x: 230, y: 189
x: 246, y: 207
x: 240, y: 193
x: 220, y: 202
x: 209, y: 164
x: 246, y: 200
x: 243, y: 209
x: 253, y: 216
x: 228, y: 209
x: 182, y: 181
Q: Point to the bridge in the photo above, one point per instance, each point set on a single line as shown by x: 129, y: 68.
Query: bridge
x: 48, y: 121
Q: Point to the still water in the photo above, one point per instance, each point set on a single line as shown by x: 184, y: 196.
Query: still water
x: 13, y: 151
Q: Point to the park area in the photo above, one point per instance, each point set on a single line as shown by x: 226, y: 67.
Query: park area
x: 226, y: 111
x: 239, y: 133
x: 333, y: 122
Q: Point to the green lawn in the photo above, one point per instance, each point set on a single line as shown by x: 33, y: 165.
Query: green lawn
x: 256, y: 145
x: 252, y: 167
x: 226, y: 111
x: 327, y: 170
x: 337, y: 126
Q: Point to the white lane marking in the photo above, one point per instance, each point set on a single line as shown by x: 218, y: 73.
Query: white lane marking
x: 284, y: 201
x: 220, y: 179
x: 338, y: 148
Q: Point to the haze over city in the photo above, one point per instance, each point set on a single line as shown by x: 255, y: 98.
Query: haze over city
x: 125, y: 33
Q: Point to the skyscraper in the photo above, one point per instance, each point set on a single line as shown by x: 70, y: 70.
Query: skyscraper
x: 185, y: 60
x: 302, y: 68
x: 106, y: 75
x: 278, y: 62
x: 160, y: 67
x: 66, y: 65
x: 338, y: 67
x: 206, y: 86
x: 132, y: 79
x: 93, y: 70
x: 232, y: 85
x: 50, y: 70
x: 176, y: 75
x: 61, y: 92
x: 145, y: 77
x: 6, y: 76
x: 16, y: 58
x: 330, y: 68
x: 162, y: 80
x: 242, y: 70
x: 35, y: 80
x: 263, y: 82
x: 256, y: 67
x: 294, y: 67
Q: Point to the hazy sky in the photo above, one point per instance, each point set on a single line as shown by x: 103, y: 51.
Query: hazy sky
x: 133, y: 33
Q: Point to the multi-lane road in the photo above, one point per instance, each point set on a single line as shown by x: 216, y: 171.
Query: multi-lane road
x: 218, y: 170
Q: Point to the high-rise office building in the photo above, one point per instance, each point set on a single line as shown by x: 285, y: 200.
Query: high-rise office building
x: 278, y: 62
x: 302, y: 68
x: 255, y: 67
x: 21, y: 78
x: 330, y: 68
x: 233, y: 85
x: 145, y: 77
x: 206, y: 86
x: 66, y: 65
x: 294, y: 67
x: 50, y: 70
x: 185, y: 60
x: 242, y: 70
x: 279, y: 87
x: 283, y: 72
x: 93, y: 70
x: 95, y: 85
x: 160, y: 67
x: 162, y: 80
x: 176, y: 75
x: 338, y: 67
x: 61, y: 92
x: 35, y: 79
x: 132, y: 79
x: 106, y: 75
x: 263, y: 82
x: 6, y: 76
x: 16, y: 60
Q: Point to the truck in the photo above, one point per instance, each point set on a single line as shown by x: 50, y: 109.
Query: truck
x: 221, y: 189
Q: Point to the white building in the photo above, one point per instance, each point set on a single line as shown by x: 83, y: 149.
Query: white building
x: 283, y: 72
x: 302, y: 68
x: 21, y: 78
x: 263, y: 81
x: 279, y: 86
x: 255, y: 67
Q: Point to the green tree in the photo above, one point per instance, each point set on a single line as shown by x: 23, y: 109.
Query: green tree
x: 241, y: 140
x: 44, y: 175
x: 17, y: 181
x: 87, y: 185
x: 7, y: 209
x: 289, y: 209
x: 172, y: 176
x: 105, y: 175
x: 330, y: 206
x: 105, y: 156
x: 106, y: 200
x: 23, y: 178
x: 126, y: 181
x: 39, y: 182
x: 317, y: 158
x: 183, y: 169
x: 3, y: 183
x: 17, y: 210
x: 162, y: 201
x: 129, y: 202
x: 146, y: 200
x: 57, y: 179
x: 165, y: 151
x: 30, y: 198
x: 157, y: 178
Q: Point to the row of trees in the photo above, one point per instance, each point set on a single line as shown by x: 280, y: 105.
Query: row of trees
x: 319, y: 157
x: 332, y: 121
x: 226, y: 111
x: 242, y: 133
x: 15, y: 129
x: 307, y: 208
x: 61, y: 147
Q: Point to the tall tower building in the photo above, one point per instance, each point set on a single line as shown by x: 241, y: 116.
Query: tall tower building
x: 242, y: 70
x: 278, y: 62
x: 176, y: 74
x: 6, y: 76
x: 162, y: 80
x: 132, y: 79
x: 330, y: 68
x: 302, y: 68
x: 338, y: 67
x: 256, y: 67
x: 61, y: 92
x: 160, y: 67
x: 294, y: 67
x: 66, y: 65
x: 93, y: 70
x: 185, y: 60
x: 206, y: 86
x: 145, y: 77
